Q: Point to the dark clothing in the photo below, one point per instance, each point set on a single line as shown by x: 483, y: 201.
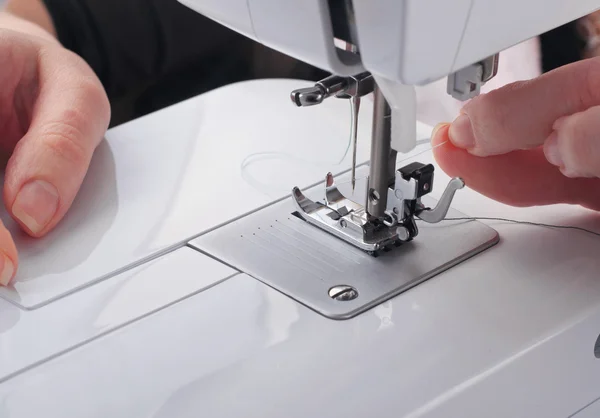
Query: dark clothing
x: 561, y: 46
x: 153, y: 53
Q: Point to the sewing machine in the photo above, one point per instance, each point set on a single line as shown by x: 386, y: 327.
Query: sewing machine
x: 206, y: 283
x: 385, y: 47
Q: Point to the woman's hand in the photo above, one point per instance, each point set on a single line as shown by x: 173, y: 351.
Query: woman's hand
x: 53, y: 114
x: 530, y: 143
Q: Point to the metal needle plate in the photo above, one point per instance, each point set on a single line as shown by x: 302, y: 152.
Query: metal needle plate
x: 306, y: 263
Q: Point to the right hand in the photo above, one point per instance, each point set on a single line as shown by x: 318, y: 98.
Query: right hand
x: 531, y: 143
x: 53, y: 114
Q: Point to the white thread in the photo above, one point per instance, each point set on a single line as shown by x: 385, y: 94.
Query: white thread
x: 273, y: 155
x: 258, y: 156
x: 410, y: 157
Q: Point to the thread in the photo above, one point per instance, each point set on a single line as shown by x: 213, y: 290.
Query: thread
x: 326, y: 166
x: 514, y: 221
x: 409, y: 157
x: 260, y: 156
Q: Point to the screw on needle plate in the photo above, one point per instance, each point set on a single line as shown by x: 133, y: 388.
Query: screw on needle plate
x: 343, y: 293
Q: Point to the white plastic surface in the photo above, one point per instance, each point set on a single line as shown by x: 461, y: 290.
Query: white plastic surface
x: 509, y: 333
x: 156, y: 178
x: 233, y: 14
x: 300, y: 29
x: 496, y: 25
x: 409, y: 41
x: 590, y: 411
x: 402, y: 99
x: 305, y: 29
x: 462, y: 345
x: 29, y: 337
x: 418, y: 42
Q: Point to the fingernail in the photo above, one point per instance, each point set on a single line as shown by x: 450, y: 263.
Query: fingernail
x: 461, y: 133
x: 437, y: 128
x: 559, y: 122
x: 7, y: 269
x: 36, y: 204
x: 551, y: 150
x: 573, y: 174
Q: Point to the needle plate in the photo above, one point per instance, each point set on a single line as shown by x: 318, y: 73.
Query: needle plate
x: 306, y: 263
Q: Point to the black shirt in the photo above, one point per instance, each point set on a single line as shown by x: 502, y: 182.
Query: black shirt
x: 153, y: 53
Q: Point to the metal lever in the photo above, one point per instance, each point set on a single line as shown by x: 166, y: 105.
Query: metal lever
x: 309, y: 96
x: 315, y: 95
x: 438, y: 214
x: 342, y: 87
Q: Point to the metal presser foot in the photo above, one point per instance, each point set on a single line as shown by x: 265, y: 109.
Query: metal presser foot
x: 350, y: 221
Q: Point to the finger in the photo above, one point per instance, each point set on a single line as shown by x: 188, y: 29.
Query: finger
x: 520, y: 116
x: 8, y: 256
x: 520, y: 178
x: 574, y: 146
x: 70, y: 117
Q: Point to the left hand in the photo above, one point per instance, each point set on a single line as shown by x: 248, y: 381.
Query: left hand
x: 53, y: 114
x: 530, y: 143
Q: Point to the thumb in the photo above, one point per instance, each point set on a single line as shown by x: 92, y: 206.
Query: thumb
x: 520, y: 178
x: 70, y: 116
x: 520, y: 116
x: 574, y: 145
x: 8, y: 256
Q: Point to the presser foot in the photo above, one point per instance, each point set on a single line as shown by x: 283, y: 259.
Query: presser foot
x: 346, y: 220
x: 347, y: 217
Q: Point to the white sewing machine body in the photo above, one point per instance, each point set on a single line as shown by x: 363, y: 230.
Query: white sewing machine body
x: 117, y: 314
x: 414, y: 42
x: 182, y: 283
x: 401, y: 43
